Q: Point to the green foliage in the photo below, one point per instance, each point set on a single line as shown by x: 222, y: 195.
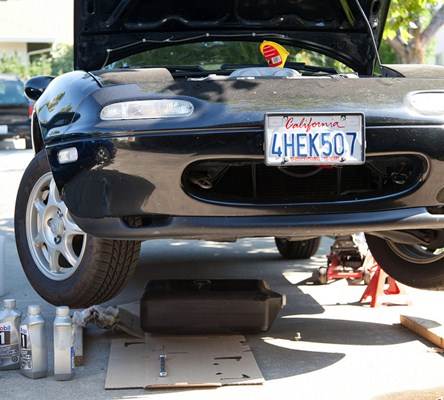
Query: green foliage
x: 39, y: 66
x: 313, y: 58
x: 388, y: 55
x: 407, y: 16
x: 409, y: 31
x: 62, y: 59
x: 207, y: 54
x: 12, y: 64
x: 58, y: 62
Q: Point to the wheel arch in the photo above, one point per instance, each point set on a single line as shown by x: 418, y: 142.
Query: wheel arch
x: 103, y: 271
x: 58, y: 105
x: 36, y: 134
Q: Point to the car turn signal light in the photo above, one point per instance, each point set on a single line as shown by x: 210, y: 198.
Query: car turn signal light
x: 68, y: 155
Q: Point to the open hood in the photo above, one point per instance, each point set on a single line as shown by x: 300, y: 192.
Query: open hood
x: 109, y: 30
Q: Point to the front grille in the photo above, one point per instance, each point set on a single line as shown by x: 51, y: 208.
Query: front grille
x: 252, y: 182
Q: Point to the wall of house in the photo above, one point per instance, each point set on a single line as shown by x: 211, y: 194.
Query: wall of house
x: 11, y: 48
x: 24, y: 22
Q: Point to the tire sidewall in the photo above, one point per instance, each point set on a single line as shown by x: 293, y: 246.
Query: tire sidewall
x: 51, y: 290
x: 298, y: 249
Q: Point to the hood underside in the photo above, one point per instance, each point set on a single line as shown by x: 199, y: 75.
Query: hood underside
x: 109, y: 30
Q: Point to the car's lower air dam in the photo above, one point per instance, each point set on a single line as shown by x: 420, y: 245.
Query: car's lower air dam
x: 252, y: 182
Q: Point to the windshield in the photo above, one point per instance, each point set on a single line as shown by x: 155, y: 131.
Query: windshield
x: 12, y: 93
x: 220, y: 55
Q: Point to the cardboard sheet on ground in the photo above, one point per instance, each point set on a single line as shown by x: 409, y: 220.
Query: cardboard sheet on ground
x: 192, y: 361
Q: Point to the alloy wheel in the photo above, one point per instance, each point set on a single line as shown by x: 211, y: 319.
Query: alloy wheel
x: 416, y: 254
x: 56, y: 242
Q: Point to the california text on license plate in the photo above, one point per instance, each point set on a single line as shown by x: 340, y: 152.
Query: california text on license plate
x: 314, y: 139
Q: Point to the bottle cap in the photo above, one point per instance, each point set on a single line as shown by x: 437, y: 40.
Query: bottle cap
x: 33, y: 309
x: 62, y: 311
x: 9, y: 303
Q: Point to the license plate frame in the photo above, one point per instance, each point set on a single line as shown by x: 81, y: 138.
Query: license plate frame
x: 305, y: 121
x: 4, y: 129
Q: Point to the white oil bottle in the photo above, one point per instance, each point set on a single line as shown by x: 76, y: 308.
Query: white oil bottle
x: 63, y: 345
x: 9, y: 336
x: 33, y: 348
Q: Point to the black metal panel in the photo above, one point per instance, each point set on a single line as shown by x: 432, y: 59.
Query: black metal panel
x: 335, y: 28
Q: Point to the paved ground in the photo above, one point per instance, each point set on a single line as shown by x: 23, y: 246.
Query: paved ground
x: 347, y: 351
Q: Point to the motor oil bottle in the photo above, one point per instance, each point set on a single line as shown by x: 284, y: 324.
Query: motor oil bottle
x: 33, y: 349
x: 9, y: 336
x: 63, y: 345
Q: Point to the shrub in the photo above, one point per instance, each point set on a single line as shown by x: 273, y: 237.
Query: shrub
x: 59, y: 61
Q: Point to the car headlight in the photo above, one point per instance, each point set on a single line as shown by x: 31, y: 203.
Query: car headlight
x: 428, y: 103
x: 147, y: 109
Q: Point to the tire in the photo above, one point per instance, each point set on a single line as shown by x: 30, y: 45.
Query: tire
x: 419, y: 275
x: 102, y: 267
x: 297, y: 250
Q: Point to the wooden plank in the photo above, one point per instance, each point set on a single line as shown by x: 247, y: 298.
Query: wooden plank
x: 430, y: 330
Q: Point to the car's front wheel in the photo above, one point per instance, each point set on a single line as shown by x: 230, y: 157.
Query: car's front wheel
x: 412, y: 265
x: 64, y: 264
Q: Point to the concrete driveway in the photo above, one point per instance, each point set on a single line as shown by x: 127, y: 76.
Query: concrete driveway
x: 347, y: 351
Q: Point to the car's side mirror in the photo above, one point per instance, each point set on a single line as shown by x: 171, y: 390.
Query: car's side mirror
x: 35, y: 87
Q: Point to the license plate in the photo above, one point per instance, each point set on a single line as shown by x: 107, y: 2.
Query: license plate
x: 3, y: 129
x: 314, y: 139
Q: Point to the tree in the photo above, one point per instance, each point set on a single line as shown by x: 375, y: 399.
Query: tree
x: 411, y: 26
x: 62, y: 59
x: 12, y: 64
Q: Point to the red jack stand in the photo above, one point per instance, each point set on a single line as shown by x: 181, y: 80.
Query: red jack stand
x: 344, y: 262
x: 336, y: 271
x: 376, y: 290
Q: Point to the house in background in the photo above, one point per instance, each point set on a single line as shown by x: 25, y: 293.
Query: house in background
x: 32, y: 27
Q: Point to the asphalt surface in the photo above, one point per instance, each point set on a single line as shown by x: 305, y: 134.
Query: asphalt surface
x: 346, y: 351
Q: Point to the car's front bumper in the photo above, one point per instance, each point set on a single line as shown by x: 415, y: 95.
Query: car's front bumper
x: 119, y: 178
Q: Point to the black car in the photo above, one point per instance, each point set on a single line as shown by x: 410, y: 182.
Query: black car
x: 174, y: 126
x: 15, y: 110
